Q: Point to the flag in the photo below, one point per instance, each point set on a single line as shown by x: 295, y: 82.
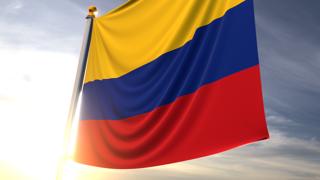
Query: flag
x: 168, y: 81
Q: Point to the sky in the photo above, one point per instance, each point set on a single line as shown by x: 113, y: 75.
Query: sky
x: 39, y: 47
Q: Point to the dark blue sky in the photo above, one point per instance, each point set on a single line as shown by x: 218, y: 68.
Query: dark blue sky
x: 288, y: 34
x: 289, y: 43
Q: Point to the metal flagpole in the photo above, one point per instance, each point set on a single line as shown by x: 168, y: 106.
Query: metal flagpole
x: 78, y: 85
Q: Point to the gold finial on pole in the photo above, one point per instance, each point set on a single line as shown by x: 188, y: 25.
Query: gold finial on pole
x: 92, y: 11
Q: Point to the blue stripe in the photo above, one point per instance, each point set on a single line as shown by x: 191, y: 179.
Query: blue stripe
x: 224, y: 47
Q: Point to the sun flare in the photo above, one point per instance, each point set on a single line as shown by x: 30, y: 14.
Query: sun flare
x: 34, y: 98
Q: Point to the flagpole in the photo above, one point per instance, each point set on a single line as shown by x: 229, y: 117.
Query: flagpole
x: 77, y: 88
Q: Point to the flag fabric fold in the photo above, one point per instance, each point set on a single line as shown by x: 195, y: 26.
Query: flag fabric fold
x: 168, y: 81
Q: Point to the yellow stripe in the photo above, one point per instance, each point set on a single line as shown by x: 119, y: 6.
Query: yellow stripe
x: 142, y: 30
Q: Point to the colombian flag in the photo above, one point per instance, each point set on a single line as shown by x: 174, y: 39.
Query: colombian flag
x: 170, y: 80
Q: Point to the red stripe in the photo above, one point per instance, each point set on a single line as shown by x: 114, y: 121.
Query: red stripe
x: 217, y: 117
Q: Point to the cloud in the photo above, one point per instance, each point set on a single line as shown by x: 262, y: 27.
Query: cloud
x: 289, y: 43
x: 13, y: 7
x: 46, y: 25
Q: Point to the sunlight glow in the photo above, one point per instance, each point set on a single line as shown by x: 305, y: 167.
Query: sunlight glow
x: 96, y: 13
x: 35, y: 92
